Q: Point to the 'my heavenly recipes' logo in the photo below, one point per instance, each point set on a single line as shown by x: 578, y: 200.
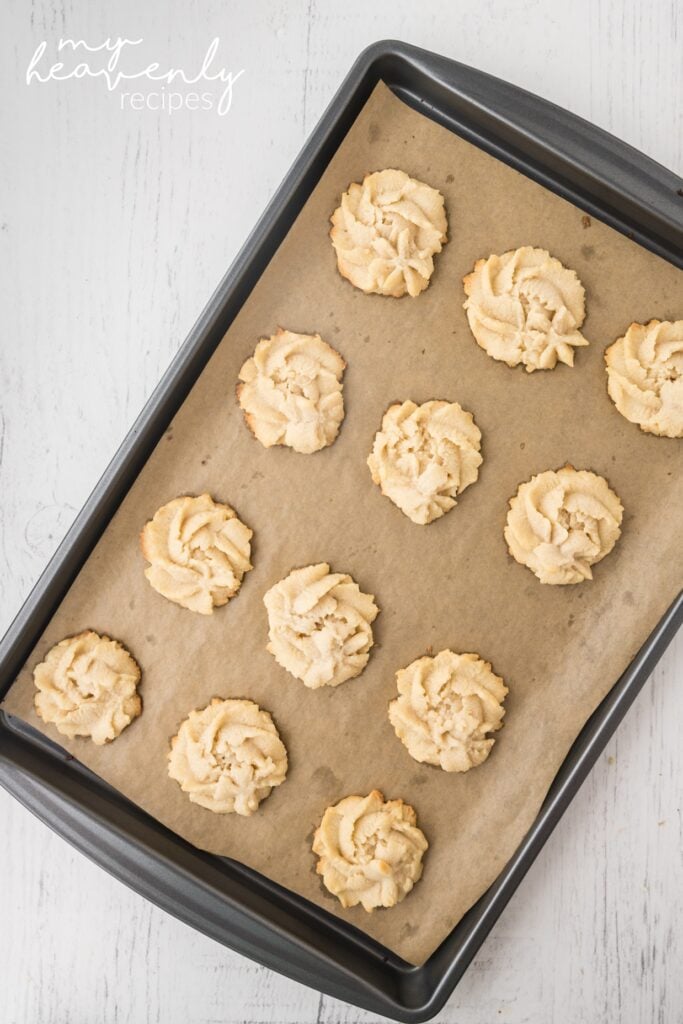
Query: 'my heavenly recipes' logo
x: 120, y: 67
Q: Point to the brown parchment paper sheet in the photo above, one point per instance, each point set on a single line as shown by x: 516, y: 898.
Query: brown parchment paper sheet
x: 450, y: 584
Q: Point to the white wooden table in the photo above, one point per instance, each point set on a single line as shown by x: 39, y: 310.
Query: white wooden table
x: 118, y: 225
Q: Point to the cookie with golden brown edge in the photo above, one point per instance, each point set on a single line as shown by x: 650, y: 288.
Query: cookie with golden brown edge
x: 198, y: 552
x: 320, y: 625
x: 290, y: 391
x: 228, y: 756
x: 645, y: 376
x: 446, y: 709
x: 87, y: 686
x: 524, y: 307
x: 370, y: 851
x: 561, y: 523
x: 386, y: 233
x: 424, y: 456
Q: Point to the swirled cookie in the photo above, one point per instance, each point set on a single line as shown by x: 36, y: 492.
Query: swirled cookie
x: 228, y: 756
x: 446, y: 708
x: 290, y: 391
x: 320, y: 625
x: 199, y: 552
x: 370, y: 851
x: 386, y: 233
x: 424, y: 456
x: 87, y: 686
x: 525, y: 307
x: 645, y: 376
x: 561, y: 523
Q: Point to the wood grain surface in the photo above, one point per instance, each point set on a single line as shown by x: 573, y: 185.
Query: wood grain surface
x: 115, y: 227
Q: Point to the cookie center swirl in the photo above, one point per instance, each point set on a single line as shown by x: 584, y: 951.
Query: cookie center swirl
x: 197, y: 540
x: 236, y: 758
x: 300, y: 378
x: 445, y: 708
x: 84, y: 677
x: 576, y: 522
x: 368, y: 841
x: 451, y: 713
x: 537, y: 315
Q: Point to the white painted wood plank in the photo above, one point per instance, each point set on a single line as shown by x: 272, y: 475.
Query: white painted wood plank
x: 119, y: 226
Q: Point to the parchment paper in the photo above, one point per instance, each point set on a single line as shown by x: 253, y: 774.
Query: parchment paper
x: 450, y: 584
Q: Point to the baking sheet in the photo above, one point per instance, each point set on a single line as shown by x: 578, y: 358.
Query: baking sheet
x: 451, y: 584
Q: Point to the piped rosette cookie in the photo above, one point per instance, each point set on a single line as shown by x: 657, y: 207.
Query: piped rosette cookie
x: 561, y: 523
x: 446, y: 709
x: 645, y: 376
x: 386, y: 233
x: 524, y: 307
x: 228, y: 757
x: 198, y: 552
x: 87, y: 686
x: 320, y: 625
x: 424, y: 456
x: 370, y: 851
x: 290, y: 392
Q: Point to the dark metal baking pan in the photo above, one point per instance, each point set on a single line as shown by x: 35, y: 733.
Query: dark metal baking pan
x: 233, y: 904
